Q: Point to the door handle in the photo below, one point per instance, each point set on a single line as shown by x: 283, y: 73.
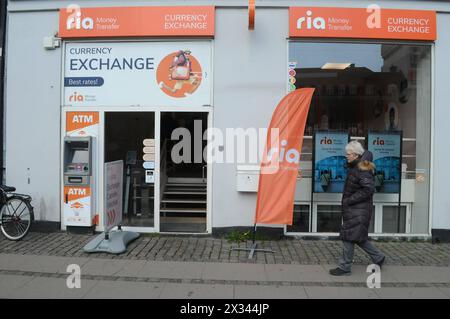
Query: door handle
x: 203, y: 171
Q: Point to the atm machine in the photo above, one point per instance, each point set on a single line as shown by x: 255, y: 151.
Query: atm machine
x: 78, y: 188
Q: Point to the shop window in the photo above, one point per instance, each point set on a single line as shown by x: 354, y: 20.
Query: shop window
x: 372, y: 222
x: 393, y: 222
x: 301, y: 219
x: 329, y: 218
x: 362, y: 87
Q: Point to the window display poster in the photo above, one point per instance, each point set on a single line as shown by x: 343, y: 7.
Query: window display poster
x: 386, y: 150
x: 330, y: 170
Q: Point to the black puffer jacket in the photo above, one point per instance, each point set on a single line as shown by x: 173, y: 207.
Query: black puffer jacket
x: 357, y: 199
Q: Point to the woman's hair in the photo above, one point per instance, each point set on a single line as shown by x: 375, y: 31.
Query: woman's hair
x: 354, y: 147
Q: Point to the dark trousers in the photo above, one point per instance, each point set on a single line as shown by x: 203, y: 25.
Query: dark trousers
x: 346, y: 260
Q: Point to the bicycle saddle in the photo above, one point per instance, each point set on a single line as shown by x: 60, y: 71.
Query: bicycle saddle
x: 7, y: 188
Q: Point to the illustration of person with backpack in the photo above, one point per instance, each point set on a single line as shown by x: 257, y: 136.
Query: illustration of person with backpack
x: 181, y: 71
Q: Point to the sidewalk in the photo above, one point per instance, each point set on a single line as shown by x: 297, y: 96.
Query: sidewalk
x: 37, y: 268
x: 31, y: 276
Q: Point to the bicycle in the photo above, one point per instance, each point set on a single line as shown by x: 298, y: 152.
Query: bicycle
x: 16, y: 213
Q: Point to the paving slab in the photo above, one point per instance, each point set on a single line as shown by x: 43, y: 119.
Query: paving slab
x: 446, y: 291
x: 14, y: 261
x: 51, y: 288
x: 125, y: 290
x: 234, y: 271
x: 340, y: 293
x: 420, y: 274
x: 39, y: 263
x: 296, y: 273
x: 164, y: 269
x: 411, y: 293
x: 197, y: 291
x: 103, y: 267
x: 9, y: 283
x: 269, y: 292
x: 132, y: 268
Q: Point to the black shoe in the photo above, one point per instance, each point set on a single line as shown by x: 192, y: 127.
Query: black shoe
x: 339, y: 272
x: 381, y: 262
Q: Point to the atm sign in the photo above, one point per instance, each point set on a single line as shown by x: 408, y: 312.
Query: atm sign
x: 80, y: 120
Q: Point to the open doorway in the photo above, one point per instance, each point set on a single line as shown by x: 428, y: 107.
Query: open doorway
x: 125, y: 133
x: 183, y: 206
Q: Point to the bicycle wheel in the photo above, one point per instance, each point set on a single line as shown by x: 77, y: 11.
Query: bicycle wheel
x: 16, y: 217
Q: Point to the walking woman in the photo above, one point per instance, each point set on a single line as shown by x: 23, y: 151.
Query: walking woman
x: 357, y: 206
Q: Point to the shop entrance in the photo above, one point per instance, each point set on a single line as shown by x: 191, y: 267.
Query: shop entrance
x: 125, y: 133
x: 183, y: 205
x: 180, y: 166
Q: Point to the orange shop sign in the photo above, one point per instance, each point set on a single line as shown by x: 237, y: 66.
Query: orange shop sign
x: 76, y: 22
x: 369, y: 23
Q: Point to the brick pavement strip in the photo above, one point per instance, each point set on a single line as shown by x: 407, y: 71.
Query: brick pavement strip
x: 139, y: 247
x: 209, y: 249
x: 227, y: 282
x: 149, y: 248
x: 206, y: 254
x: 181, y: 250
x: 162, y: 254
x: 174, y: 248
x: 156, y: 248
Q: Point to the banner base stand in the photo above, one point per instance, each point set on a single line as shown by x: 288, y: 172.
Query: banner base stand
x: 113, y: 242
x: 253, y: 250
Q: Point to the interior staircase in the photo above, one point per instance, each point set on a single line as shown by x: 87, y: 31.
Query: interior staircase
x: 183, y: 205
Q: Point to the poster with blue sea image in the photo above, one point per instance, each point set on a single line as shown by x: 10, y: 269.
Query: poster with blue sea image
x: 330, y: 169
x: 386, y: 148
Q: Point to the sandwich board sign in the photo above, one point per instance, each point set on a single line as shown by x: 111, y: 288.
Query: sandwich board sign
x: 112, y: 241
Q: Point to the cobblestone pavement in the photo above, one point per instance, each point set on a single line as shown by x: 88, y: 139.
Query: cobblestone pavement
x: 209, y: 249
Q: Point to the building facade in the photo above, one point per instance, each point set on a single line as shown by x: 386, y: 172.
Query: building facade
x: 96, y: 83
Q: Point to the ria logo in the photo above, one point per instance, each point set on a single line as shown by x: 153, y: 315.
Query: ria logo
x: 75, y: 97
x: 291, y: 156
x: 317, y: 23
x: 77, y: 205
x: 326, y: 140
x: 378, y: 141
x: 75, y: 21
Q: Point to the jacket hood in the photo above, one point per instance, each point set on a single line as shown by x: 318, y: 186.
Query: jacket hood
x: 365, y: 162
x: 367, y: 156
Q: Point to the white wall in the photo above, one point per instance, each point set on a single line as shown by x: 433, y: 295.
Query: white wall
x: 440, y: 193
x: 250, y: 72
x: 33, y: 111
